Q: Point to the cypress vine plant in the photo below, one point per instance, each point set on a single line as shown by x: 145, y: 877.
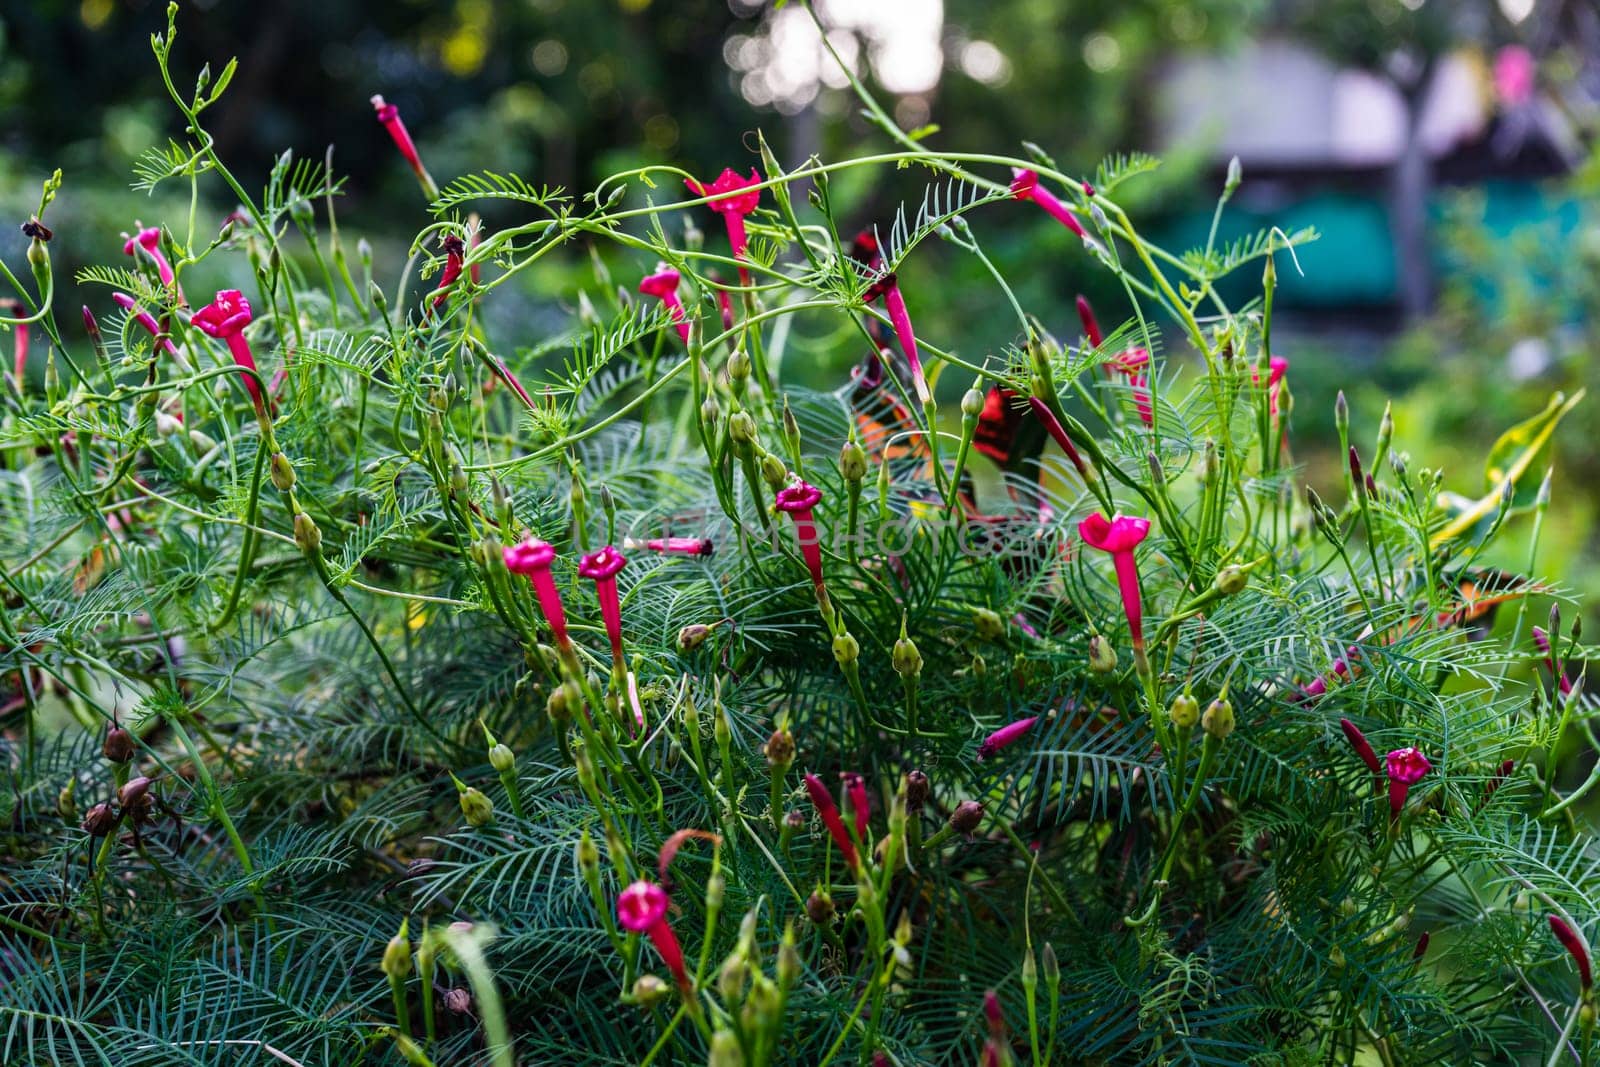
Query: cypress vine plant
x: 387, y: 683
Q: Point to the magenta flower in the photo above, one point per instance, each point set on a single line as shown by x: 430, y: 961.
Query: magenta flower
x: 226, y: 317
x: 798, y: 500
x: 146, y: 320
x: 1406, y: 767
x: 1053, y: 427
x: 1025, y: 186
x: 454, y: 255
x: 1574, y: 944
x: 1132, y: 363
x: 687, y: 546
x: 822, y: 800
x: 1004, y: 736
x: 642, y: 909
x: 1318, y: 686
x: 732, y: 198
x: 1091, y: 326
x: 1277, y: 367
x: 533, y: 557
x: 1119, y: 536
x: 149, y: 239
x: 887, y: 286
x: 20, y: 351
x: 389, y: 115
x: 663, y: 285
x: 602, y: 565
x: 1358, y: 741
x: 725, y: 307
x: 855, y: 789
x: 1542, y: 641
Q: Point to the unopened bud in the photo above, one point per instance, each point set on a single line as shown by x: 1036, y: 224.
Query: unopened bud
x: 741, y: 428
x: 282, y: 472
x: 1230, y: 580
x: 1341, y: 415
x: 905, y: 657
x: 988, y: 624
x: 1184, y: 712
x: 306, y: 534
x: 648, y: 990
x: 852, y: 462
x: 1102, y: 656
x: 779, y: 748
x: 774, y: 472
x: 476, y: 808
x: 846, y: 649
x: 739, y: 365
x: 587, y: 854
x: 971, y: 404
x: 502, y: 759
x: 397, y: 956
x: 710, y: 411
x: 1218, y: 719
x: 725, y: 1050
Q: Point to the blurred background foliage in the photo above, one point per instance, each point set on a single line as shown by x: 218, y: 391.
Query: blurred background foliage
x: 1444, y: 149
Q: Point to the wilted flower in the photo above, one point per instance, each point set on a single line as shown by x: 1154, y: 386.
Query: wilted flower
x: 1358, y: 741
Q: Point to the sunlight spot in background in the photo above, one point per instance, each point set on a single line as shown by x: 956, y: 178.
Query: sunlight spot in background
x: 784, y: 63
x: 1101, y: 52
x: 982, y: 61
x: 1516, y: 10
x: 550, y: 57
x: 95, y: 12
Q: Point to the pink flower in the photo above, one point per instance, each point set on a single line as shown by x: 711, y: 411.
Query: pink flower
x: 1004, y: 736
x: 454, y: 255
x: 1132, y: 363
x: 1358, y: 741
x: 642, y: 909
x: 146, y: 320
x: 20, y: 351
x: 1541, y: 640
x: 687, y: 546
x: 1091, y: 327
x: 663, y: 285
x: 798, y: 500
x: 1053, y: 427
x: 1406, y: 767
x: 226, y: 317
x: 532, y: 557
x: 1277, y: 367
x: 389, y: 115
x: 1574, y: 944
x: 1119, y: 536
x: 1025, y: 186
x: 822, y: 800
x: 1513, y: 75
x: 602, y: 565
x: 865, y: 250
x: 149, y: 239
x: 855, y: 788
x: 731, y: 200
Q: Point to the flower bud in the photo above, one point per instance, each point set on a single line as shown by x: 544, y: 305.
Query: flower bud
x: 852, y: 462
x: 118, y: 746
x: 710, y: 411
x: 819, y: 907
x: 502, y: 759
x: 1030, y: 970
x: 587, y: 854
x: 561, y: 703
x: 648, y: 990
x: 966, y: 817
x: 397, y: 956
x: 1050, y: 966
x: 306, y: 533
x: 731, y: 976
x: 1184, y: 712
x: 282, y: 472
x: 725, y: 1051
x: 774, y: 472
x: 789, y: 965
x: 741, y: 428
x: 1218, y: 719
x: 693, y: 636
x: 846, y: 649
x: 972, y: 403
x: 739, y: 365
x: 477, y: 808
x: 1102, y: 657
x: 906, y: 659
x: 988, y: 624
x: 1230, y: 580
x: 779, y: 749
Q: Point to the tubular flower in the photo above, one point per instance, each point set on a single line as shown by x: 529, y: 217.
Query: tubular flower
x: 1091, y: 325
x: 602, y: 565
x: 1004, y: 736
x: 663, y: 285
x: 226, y: 317
x: 732, y: 198
x: 389, y: 115
x: 822, y: 800
x: 1358, y: 741
x: 1025, y: 186
x: 455, y: 251
x: 1119, y: 536
x: 1406, y: 766
x: 20, y: 351
x: 798, y: 500
x: 533, y: 557
x: 1132, y: 363
x: 887, y: 286
x: 149, y: 239
x: 146, y: 320
x: 1341, y: 669
x: 642, y: 909
x: 1541, y: 639
x: 855, y: 789
x: 1574, y: 944
x: 1277, y: 367
x: 685, y: 546
x: 1053, y: 427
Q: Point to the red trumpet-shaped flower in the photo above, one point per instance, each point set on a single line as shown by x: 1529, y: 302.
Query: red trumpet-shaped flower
x: 865, y: 250
x: 642, y: 909
x: 1575, y: 946
x: 147, y: 321
x: 1091, y: 326
x: 226, y: 317
x: 733, y: 199
x: 798, y: 500
x: 20, y: 351
x: 663, y: 285
x: 1406, y: 767
x: 389, y: 115
x: 1277, y: 367
x: 685, y: 546
x: 1540, y: 639
x: 855, y: 790
x: 1052, y: 426
x: 602, y: 565
x: 455, y: 251
x: 1363, y: 747
x: 1004, y: 736
x: 1120, y: 535
x: 1133, y: 362
x: 532, y: 557
x: 822, y: 800
x: 1025, y: 186
x: 149, y: 239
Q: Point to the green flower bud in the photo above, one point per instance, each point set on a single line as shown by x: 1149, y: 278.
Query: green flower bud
x: 788, y: 958
x: 852, y: 462
x: 502, y: 759
x: 988, y: 624
x: 1102, y: 657
x: 477, y: 808
x: 1051, y: 966
x: 1218, y: 719
x: 1030, y: 970
x: 301, y: 212
x: 588, y: 854
x: 846, y: 649
x: 1184, y: 712
x: 710, y: 411
x: 906, y: 659
x: 66, y: 806
x: 774, y: 472
x: 741, y: 428
x: 731, y: 977
x: 648, y: 991
x: 971, y: 404
x: 725, y: 1051
x: 780, y: 749
x: 282, y: 472
x: 1231, y: 580
x: 739, y: 365
x: 397, y: 956
x: 306, y: 533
